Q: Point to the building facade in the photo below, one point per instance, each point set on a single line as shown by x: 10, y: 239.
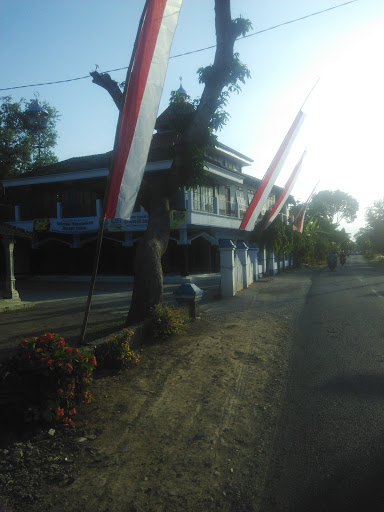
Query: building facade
x: 60, y: 205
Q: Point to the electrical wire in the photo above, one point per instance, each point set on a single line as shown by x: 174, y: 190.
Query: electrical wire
x: 192, y: 51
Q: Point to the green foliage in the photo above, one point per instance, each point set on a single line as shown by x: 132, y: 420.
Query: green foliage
x: 167, y: 321
x: 370, y: 238
x: 274, y: 239
x: 47, y: 378
x: 192, y: 172
x: 335, y: 206
x: 236, y: 71
x: 19, y: 143
x: 115, y: 352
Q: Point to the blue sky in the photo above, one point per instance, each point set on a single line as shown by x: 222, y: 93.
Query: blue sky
x: 46, y: 41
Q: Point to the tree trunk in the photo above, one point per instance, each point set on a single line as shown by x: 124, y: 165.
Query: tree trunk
x: 148, y: 284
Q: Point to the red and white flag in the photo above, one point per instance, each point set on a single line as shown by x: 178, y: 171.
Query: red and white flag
x: 300, y: 227
x: 300, y: 216
x: 285, y: 194
x: 141, y: 105
x: 262, y: 193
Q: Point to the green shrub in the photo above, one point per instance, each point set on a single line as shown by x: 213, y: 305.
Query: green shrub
x: 46, y: 379
x: 115, y: 352
x: 168, y: 321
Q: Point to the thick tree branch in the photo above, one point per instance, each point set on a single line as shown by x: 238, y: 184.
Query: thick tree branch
x: 111, y: 86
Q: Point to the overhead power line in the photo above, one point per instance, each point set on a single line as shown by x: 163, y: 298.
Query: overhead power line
x: 192, y: 51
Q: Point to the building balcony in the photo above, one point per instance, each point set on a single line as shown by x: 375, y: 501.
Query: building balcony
x: 204, y: 212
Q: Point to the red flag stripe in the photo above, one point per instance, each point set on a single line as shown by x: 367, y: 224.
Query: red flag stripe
x: 133, y: 99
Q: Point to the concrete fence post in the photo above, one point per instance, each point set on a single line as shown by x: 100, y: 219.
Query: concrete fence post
x: 272, y: 263
x: 253, y: 255
x: 227, y: 263
x: 242, y: 252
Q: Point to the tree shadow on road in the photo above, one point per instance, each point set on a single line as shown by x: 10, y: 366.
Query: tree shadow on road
x: 357, y: 384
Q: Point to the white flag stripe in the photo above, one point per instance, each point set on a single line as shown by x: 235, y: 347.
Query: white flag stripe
x: 266, y: 185
x: 134, y: 169
x: 286, y: 192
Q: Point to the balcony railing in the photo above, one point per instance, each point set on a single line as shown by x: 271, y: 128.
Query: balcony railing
x: 203, y: 204
x: 227, y: 208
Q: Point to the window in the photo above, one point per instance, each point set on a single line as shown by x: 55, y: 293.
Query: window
x: 241, y: 201
x: 203, y: 199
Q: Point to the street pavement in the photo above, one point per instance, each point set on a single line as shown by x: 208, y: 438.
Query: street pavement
x: 329, y: 453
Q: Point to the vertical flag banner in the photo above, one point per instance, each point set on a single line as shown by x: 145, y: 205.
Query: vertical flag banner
x: 300, y: 227
x: 285, y: 194
x: 141, y: 104
x: 262, y: 193
x: 301, y: 213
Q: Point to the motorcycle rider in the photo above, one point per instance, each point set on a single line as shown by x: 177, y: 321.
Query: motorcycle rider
x: 343, y: 257
x: 332, y: 257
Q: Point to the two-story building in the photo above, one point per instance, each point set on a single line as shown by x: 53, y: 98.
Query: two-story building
x: 61, y: 204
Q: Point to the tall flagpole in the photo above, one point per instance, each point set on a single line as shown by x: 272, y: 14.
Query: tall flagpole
x: 102, y: 219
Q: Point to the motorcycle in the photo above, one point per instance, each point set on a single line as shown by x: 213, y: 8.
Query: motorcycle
x: 332, y: 265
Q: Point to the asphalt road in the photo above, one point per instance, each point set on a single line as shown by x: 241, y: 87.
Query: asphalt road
x: 58, y: 306
x: 329, y: 449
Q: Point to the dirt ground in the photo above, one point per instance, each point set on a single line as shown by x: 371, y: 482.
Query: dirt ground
x: 190, y: 428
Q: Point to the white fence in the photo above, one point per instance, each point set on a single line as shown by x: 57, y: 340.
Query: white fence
x: 242, y: 265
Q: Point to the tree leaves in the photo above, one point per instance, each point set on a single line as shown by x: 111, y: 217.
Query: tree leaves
x: 19, y: 144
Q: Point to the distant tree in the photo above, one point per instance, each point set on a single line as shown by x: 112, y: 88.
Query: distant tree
x: 374, y: 231
x: 364, y: 240
x: 335, y: 206
x: 23, y: 148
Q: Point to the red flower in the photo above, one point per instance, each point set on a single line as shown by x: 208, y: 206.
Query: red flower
x: 94, y: 361
x: 73, y: 411
x: 38, y: 350
x: 50, y: 362
x: 69, y: 367
x: 68, y: 349
x: 87, y: 397
x: 68, y: 422
x: 46, y: 337
x: 59, y: 412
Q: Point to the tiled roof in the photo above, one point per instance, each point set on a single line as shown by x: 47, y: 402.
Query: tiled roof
x: 12, y: 231
x: 79, y: 163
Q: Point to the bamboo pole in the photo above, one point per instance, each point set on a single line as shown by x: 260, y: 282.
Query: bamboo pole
x: 102, y: 220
